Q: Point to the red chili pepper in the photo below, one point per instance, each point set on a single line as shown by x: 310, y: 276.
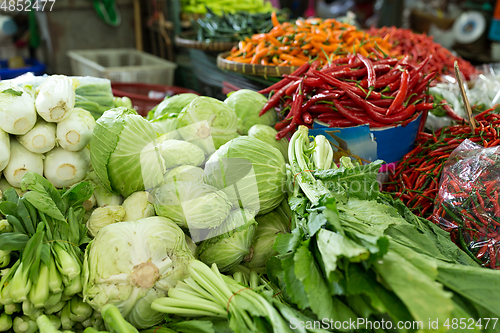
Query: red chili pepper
x: 282, y: 124
x: 339, y: 122
x: 298, y: 97
x: 278, y: 85
x: 424, y: 106
x: 345, y: 86
x: 274, y: 100
x: 354, y: 118
x: 306, y: 116
x: 292, y: 88
x: 281, y: 134
x: 421, y: 87
x: 321, y: 108
x: 371, y: 79
x: 482, y: 251
x: 322, y: 97
x: 347, y: 72
x: 493, y: 259
x: 401, y: 95
x: 449, y: 111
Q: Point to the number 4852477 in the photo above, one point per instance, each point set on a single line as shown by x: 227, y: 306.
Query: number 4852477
x: 26, y: 5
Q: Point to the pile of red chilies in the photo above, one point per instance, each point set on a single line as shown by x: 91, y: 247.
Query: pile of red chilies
x: 419, y: 46
x: 416, y: 178
x: 351, y: 91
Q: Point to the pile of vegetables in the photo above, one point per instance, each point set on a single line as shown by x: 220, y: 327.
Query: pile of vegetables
x: 42, y: 131
x: 351, y: 91
x: 220, y: 7
x: 232, y: 27
x: 415, y: 180
x: 355, y: 253
x: 420, y: 46
x: 294, y: 44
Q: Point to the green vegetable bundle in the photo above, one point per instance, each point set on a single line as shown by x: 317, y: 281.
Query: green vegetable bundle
x: 231, y: 26
x: 219, y: 6
x: 354, y: 253
x: 44, y: 235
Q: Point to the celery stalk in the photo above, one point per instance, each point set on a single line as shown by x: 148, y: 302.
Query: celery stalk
x: 20, y: 285
x: 55, y: 281
x: 115, y: 321
x: 5, y: 322
x: 45, y: 325
x: 40, y: 293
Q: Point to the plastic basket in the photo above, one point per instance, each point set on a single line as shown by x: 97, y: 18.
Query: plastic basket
x: 122, y: 65
x: 146, y: 96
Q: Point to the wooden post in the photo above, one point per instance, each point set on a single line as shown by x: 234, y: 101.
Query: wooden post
x: 138, y: 25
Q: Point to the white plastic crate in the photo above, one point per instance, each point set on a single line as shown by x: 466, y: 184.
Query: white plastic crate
x: 122, y: 65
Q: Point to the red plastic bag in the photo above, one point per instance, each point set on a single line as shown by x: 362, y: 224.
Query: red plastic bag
x: 468, y: 205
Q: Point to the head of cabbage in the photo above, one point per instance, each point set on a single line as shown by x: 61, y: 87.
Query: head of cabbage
x: 267, y: 134
x: 230, y: 243
x: 207, y: 117
x: 248, y: 169
x: 124, y: 152
x: 130, y: 264
x: 247, y: 105
x: 270, y: 225
x: 191, y: 204
x: 173, y: 104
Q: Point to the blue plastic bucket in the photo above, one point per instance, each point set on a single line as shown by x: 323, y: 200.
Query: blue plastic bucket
x: 32, y: 65
x: 389, y: 144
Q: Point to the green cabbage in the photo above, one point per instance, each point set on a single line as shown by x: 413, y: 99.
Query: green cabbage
x: 250, y: 171
x: 221, y: 120
x: 178, y: 152
x: 173, y: 104
x: 227, y: 245
x: 270, y: 225
x: 247, y: 105
x: 130, y: 264
x: 124, y: 153
x: 185, y: 173
x: 268, y: 135
x: 165, y: 124
x: 191, y: 204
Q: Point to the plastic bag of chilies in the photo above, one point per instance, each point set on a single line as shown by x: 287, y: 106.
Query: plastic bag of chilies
x: 467, y: 204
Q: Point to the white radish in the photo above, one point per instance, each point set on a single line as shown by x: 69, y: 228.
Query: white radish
x: 17, y: 109
x: 21, y: 161
x: 4, y: 149
x: 41, y: 138
x: 75, y: 132
x: 64, y: 168
x: 55, y: 98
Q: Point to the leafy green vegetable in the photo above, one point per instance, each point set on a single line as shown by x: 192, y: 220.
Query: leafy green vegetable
x: 12, y: 92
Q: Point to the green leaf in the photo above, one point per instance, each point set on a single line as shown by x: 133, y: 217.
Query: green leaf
x: 315, y: 222
x: 321, y: 303
x: 415, y: 288
x: 11, y: 195
x: 44, y: 203
x: 47, y: 193
x: 12, y: 92
x: 13, y: 241
x: 334, y: 246
x: 286, y: 244
x: 478, y: 285
x: 8, y: 208
x: 25, y: 217
x: 294, y: 288
x: 78, y: 194
x: 16, y: 224
x: 193, y: 326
